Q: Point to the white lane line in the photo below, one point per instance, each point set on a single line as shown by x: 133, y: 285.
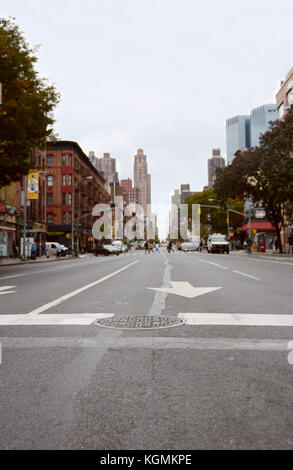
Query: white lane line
x: 5, y: 290
x: 40, y: 271
x: 214, y: 264
x: 77, y: 291
x: 236, y: 319
x: 244, y: 258
x: 53, y: 319
x: 246, y: 275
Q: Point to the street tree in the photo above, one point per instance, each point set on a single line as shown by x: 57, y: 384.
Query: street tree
x: 214, y: 219
x: 264, y: 174
x: 26, y: 107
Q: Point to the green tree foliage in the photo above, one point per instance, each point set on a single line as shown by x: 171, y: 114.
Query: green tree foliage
x: 27, y: 103
x: 264, y: 174
x: 214, y: 220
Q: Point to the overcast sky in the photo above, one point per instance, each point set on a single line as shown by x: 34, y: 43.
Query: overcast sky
x: 162, y: 75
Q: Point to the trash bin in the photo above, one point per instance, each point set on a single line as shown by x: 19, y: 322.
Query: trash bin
x: 262, y: 247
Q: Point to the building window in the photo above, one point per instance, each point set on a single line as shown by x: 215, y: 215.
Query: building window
x: 49, y: 180
x: 63, y: 160
x: 69, y: 160
x: 63, y: 199
x: 63, y: 180
x: 69, y: 180
x: 69, y: 199
x: 281, y: 110
x: 49, y: 199
x: 50, y: 218
x: 49, y: 160
x: 63, y: 217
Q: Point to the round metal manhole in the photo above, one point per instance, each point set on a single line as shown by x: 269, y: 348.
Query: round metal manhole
x: 139, y: 322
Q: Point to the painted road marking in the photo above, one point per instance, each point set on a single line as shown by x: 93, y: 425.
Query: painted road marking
x: 78, y: 291
x: 41, y: 271
x: 246, y: 275
x: 185, y: 289
x: 236, y: 319
x: 146, y: 342
x: 53, y: 319
x: 5, y: 290
x: 214, y: 264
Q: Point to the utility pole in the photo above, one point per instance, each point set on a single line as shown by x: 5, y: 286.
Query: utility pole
x: 249, y: 221
x: 24, y: 217
x: 72, y: 220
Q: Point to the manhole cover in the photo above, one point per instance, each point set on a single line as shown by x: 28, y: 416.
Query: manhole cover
x: 139, y: 322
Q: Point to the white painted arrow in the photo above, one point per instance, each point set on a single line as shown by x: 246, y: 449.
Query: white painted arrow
x: 6, y: 289
x: 185, y: 289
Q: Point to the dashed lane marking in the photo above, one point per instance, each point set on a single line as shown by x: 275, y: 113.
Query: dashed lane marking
x: 246, y: 275
x: 214, y: 264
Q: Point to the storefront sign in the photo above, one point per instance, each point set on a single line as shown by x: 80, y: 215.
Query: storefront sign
x: 33, y: 185
x: 3, y: 243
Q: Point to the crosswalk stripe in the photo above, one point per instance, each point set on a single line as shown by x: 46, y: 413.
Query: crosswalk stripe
x: 53, y: 319
x: 236, y: 319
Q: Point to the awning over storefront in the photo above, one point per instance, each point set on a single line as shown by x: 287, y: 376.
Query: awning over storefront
x: 5, y: 228
x: 259, y: 226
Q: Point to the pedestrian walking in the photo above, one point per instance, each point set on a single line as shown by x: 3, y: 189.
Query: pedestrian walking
x: 43, y: 249
x: 146, y: 248
x: 157, y: 249
x: 33, y: 251
x: 14, y: 249
x: 249, y: 245
x: 169, y: 246
x: 151, y: 248
x: 59, y: 249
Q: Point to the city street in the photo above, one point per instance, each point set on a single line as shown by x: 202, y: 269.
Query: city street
x: 220, y: 380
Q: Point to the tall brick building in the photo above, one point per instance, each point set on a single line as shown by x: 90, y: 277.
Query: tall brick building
x: 142, y: 179
x: 66, y: 167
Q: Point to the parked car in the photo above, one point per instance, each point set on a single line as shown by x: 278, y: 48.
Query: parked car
x: 218, y: 243
x: 106, y: 250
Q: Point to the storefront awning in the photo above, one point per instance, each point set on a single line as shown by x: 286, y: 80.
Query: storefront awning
x: 5, y: 228
x: 259, y: 226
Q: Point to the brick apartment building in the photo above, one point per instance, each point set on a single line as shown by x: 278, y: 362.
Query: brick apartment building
x: 67, y: 166
x: 132, y: 195
x: 284, y: 100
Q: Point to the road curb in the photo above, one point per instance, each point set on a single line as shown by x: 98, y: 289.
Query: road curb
x: 36, y: 262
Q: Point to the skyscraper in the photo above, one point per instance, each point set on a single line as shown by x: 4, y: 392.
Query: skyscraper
x: 107, y: 165
x: 284, y: 97
x: 259, y: 121
x: 142, y: 179
x: 237, y: 135
x: 216, y: 161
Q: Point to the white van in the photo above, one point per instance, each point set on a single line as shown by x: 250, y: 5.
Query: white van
x: 218, y: 243
x: 52, y: 249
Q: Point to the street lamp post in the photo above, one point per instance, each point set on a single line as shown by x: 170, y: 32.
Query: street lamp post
x: 72, y: 210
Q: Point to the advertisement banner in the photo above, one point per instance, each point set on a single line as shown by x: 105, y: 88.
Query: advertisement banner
x: 33, y: 185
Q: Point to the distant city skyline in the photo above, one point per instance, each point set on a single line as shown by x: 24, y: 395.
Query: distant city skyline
x: 153, y: 95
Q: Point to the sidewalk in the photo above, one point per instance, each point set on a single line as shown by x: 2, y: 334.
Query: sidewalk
x: 18, y: 261
x: 267, y: 254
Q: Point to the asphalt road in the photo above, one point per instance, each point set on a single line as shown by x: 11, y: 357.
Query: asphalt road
x: 223, y: 380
